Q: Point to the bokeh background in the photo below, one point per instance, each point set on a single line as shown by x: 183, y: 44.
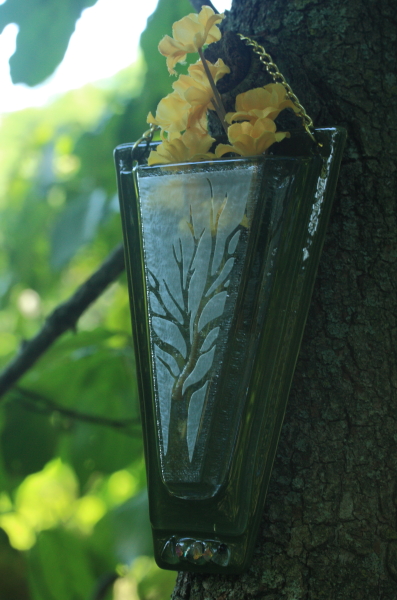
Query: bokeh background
x: 73, y: 506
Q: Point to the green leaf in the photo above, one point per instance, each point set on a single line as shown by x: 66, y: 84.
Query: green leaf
x: 4, y: 482
x: 126, y: 530
x: 44, y: 32
x: 94, y: 449
x: 132, y: 528
x: 59, y: 567
x: 28, y: 439
x: 77, y: 225
x: 86, y: 373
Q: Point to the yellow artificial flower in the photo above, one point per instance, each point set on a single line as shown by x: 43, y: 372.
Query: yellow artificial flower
x: 249, y: 139
x: 197, y: 101
x: 189, y: 35
x: 187, y: 106
x: 171, y: 114
x: 193, y: 145
x: 260, y: 103
x: 196, y: 90
x: 218, y: 70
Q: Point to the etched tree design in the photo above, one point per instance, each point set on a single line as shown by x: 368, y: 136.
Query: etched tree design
x: 197, y: 325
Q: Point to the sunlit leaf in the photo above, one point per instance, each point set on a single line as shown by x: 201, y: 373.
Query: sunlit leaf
x: 89, y: 376
x: 59, y: 567
x: 46, y: 498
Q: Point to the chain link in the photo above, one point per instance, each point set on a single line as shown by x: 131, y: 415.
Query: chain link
x: 278, y: 77
x: 147, y: 136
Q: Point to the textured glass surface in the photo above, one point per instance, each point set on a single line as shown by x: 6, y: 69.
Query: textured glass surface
x: 221, y: 260
x: 195, y: 227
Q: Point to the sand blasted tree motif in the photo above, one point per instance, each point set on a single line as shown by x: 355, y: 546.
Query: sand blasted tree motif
x: 190, y: 244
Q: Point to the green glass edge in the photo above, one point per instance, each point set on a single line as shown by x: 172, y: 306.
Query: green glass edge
x: 335, y: 138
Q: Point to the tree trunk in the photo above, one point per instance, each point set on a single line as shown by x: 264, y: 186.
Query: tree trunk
x: 329, y: 526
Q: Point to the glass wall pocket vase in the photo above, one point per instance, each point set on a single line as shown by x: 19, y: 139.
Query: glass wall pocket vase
x: 221, y: 259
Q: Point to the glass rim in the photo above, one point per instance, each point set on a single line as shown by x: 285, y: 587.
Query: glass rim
x: 212, y: 163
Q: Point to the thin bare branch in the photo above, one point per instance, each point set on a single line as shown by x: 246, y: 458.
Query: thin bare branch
x: 42, y: 404
x: 62, y: 319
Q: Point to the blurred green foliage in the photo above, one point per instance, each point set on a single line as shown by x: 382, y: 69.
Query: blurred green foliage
x: 73, y: 506
x: 44, y: 32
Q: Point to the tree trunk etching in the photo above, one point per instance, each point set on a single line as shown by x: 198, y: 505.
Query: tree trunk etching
x: 329, y: 528
x: 199, y: 339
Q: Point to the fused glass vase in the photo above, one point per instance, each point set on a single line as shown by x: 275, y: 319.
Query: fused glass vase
x: 221, y: 259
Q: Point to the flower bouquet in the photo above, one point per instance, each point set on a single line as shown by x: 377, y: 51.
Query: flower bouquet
x: 222, y: 244
x: 182, y: 115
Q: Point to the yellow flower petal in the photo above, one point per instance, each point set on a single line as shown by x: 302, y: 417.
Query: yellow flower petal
x: 222, y: 149
x: 195, y: 87
x: 195, y: 30
x: 261, y: 103
x: 218, y: 70
x: 197, y: 141
x: 196, y: 90
x: 209, y: 20
x: 193, y: 145
x: 172, y: 113
x: 174, y: 52
x: 189, y: 35
x: 249, y: 139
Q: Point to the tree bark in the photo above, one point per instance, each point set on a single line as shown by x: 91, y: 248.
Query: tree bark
x: 329, y: 526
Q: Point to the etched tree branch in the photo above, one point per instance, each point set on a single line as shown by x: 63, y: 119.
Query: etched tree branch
x: 195, y: 331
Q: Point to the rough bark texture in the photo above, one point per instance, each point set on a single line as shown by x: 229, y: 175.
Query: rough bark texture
x: 329, y: 527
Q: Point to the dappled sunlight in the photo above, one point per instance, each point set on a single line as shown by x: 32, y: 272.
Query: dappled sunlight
x: 71, y: 452
x: 125, y: 588
x: 50, y: 498
x: 29, y: 303
x: 54, y: 201
x: 20, y: 533
x: 144, y: 580
x: 87, y: 511
x: 121, y: 485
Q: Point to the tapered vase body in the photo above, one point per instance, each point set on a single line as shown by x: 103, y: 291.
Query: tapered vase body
x: 221, y: 260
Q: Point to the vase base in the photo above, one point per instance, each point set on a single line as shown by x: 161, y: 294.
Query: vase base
x: 200, y: 554
x: 192, y: 490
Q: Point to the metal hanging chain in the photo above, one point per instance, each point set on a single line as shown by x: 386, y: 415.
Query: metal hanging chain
x: 147, y: 136
x: 278, y: 77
